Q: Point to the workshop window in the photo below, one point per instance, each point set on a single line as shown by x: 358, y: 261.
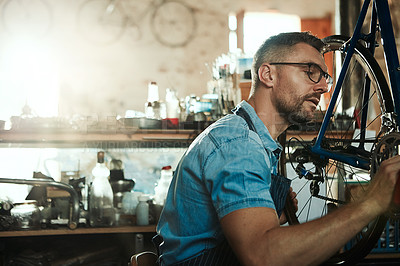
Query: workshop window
x: 252, y: 28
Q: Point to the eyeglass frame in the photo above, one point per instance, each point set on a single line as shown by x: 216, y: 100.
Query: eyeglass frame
x: 328, y: 78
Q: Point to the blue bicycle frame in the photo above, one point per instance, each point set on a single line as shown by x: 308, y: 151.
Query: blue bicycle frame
x: 380, y: 12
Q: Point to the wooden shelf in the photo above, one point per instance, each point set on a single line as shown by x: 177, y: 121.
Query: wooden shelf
x: 383, y: 256
x: 126, y: 139
x: 138, y: 135
x: 80, y: 231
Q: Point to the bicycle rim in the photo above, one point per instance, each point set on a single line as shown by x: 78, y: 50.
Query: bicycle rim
x: 341, y: 183
x: 173, y: 23
x: 101, y: 22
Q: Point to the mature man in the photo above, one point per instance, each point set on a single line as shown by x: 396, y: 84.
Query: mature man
x: 225, y: 200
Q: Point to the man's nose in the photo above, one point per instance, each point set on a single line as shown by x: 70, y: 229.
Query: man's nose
x: 322, y: 86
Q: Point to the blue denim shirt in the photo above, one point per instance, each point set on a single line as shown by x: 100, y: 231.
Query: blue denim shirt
x: 228, y: 167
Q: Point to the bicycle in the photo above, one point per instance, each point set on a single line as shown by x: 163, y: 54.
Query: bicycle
x: 173, y: 23
x: 337, y: 166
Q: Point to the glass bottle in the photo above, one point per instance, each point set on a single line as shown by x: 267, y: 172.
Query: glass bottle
x: 172, y: 103
x: 101, y: 208
x: 152, y: 106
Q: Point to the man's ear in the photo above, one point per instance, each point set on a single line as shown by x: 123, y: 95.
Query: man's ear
x: 266, y: 75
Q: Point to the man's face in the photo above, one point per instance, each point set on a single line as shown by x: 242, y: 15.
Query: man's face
x: 296, y: 96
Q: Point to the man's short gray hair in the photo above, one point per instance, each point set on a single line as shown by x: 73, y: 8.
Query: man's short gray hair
x: 277, y: 47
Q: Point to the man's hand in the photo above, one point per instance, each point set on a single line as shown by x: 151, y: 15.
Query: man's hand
x: 292, y: 196
x: 297, y: 245
x: 380, y: 192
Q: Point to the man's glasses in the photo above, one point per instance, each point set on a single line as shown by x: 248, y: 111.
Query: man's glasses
x: 315, y: 72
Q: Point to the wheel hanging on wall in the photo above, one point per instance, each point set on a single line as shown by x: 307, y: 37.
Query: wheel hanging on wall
x: 32, y: 18
x: 173, y: 23
x: 101, y: 22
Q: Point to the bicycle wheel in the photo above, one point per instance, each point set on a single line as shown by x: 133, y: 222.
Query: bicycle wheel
x: 173, y: 23
x: 325, y: 184
x: 27, y: 18
x: 101, y: 22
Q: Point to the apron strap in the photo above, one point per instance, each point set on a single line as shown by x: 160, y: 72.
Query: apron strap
x: 280, y: 185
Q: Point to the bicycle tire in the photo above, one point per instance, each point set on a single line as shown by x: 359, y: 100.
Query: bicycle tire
x: 345, y: 191
x: 173, y: 23
x: 101, y: 22
x: 27, y: 18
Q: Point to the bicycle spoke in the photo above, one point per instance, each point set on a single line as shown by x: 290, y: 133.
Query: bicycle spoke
x: 305, y: 205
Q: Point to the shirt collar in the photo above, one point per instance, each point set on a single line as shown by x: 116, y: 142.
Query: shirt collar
x: 266, y: 138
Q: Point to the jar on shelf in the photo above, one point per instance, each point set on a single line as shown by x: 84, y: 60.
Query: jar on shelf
x: 142, y: 211
x: 161, y: 189
x: 27, y: 214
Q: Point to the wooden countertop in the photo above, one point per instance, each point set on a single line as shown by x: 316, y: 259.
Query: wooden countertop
x: 80, y: 231
x: 113, y: 139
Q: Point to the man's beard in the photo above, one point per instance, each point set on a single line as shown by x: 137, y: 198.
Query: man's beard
x: 293, y: 112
